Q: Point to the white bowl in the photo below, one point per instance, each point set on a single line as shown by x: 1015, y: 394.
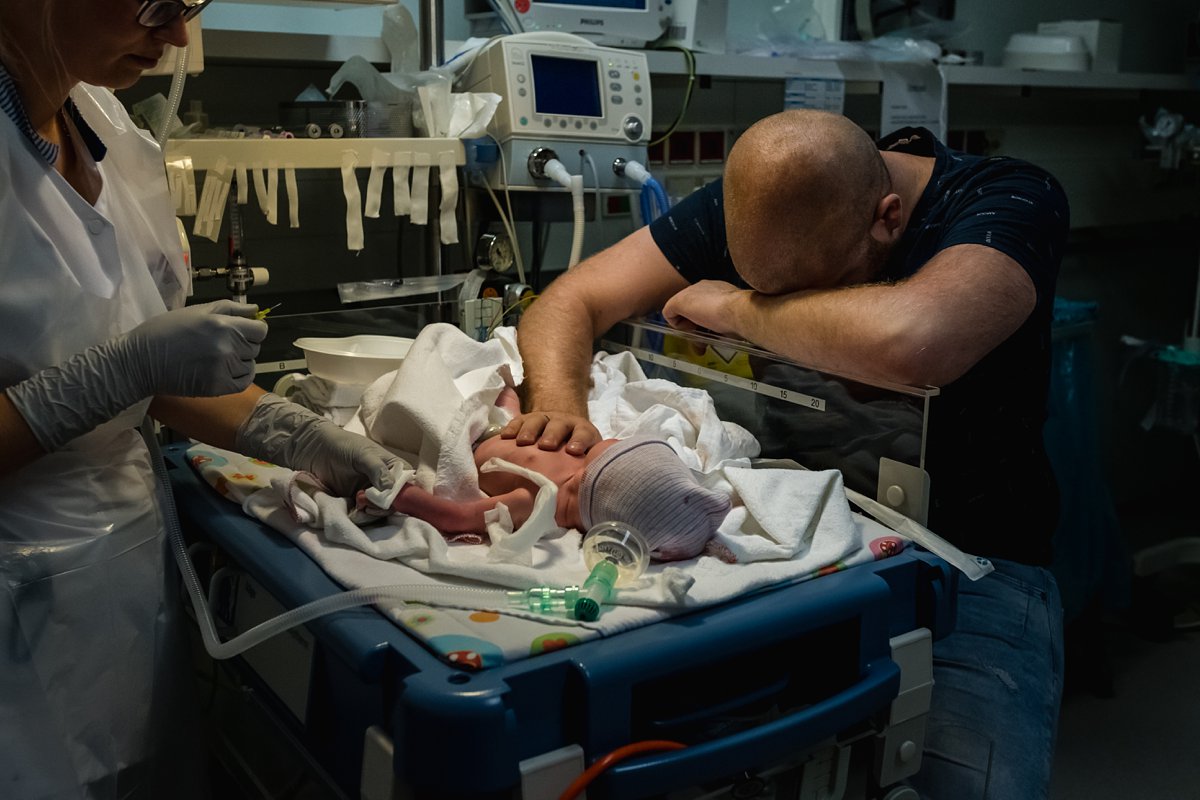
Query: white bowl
x: 1046, y: 51
x: 354, y: 359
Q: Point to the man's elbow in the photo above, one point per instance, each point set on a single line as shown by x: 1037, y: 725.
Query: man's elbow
x: 918, y: 359
x: 922, y: 368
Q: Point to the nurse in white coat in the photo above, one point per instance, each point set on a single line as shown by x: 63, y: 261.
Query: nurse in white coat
x: 90, y: 263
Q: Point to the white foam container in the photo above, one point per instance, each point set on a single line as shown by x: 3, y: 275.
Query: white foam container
x: 1046, y: 51
x: 354, y: 359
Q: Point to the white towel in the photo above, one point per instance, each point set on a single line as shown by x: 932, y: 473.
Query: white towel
x: 441, y: 399
x: 786, y: 514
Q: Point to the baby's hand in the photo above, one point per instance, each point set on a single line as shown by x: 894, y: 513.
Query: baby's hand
x: 551, y: 429
x: 361, y: 503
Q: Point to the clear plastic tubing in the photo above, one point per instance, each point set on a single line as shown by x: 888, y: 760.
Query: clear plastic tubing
x: 538, y: 599
x: 615, y: 552
x: 174, y: 95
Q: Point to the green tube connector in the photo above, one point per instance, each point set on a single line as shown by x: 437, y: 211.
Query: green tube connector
x: 595, y: 591
x: 545, y: 599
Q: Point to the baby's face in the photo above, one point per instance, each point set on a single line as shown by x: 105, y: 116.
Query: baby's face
x: 566, y: 512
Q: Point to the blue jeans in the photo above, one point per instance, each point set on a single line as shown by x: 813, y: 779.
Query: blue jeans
x: 997, y: 686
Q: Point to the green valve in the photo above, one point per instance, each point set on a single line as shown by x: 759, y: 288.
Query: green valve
x: 595, y: 591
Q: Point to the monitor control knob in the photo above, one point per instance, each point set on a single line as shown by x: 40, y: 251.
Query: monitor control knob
x: 633, y: 128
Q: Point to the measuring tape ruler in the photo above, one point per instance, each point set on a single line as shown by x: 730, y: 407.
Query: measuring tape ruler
x: 293, y: 365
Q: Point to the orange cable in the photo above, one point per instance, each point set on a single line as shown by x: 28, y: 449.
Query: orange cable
x: 607, y: 760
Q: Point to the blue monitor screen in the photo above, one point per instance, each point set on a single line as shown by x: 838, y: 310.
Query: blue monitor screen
x: 639, y: 5
x: 569, y: 86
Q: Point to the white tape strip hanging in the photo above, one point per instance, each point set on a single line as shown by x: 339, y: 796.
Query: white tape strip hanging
x: 273, y: 192
x: 293, y: 195
x: 182, y: 180
x: 449, y: 176
x: 420, y: 189
x: 212, y: 201
x: 204, y: 208
x: 401, y: 199
x: 379, y: 166
x: 260, y: 186
x: 189, y: 190
x: 354, y: 223
x: 243, y: 184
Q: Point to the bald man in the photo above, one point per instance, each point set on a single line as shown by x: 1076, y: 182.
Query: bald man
x: 898, y: 261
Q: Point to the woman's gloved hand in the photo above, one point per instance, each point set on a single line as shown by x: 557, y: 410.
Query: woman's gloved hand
x: 197, y: 351
x: 284, y: 433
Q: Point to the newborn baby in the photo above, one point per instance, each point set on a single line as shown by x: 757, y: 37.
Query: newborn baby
x: 639, y: 481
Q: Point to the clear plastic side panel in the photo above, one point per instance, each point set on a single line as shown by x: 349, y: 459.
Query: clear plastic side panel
x: 818, y: 419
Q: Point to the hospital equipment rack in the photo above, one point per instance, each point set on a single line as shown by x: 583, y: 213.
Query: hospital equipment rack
x: 784, y: 675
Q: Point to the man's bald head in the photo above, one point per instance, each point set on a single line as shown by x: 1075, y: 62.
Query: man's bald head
x: 801, y: 191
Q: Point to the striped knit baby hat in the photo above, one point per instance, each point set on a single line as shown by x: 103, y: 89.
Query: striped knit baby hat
x: 641, y: 482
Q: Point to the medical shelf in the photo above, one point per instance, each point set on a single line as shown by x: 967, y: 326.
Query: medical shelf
x: 862, y: 77
x: 304, y: 153
x: 1001, y: 76
x: 665, y: 62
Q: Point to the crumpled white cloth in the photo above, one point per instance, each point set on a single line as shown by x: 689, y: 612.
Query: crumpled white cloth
x: 785, y: 524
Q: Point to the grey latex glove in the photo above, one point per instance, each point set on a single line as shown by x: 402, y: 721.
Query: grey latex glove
x: 196, y: 351
x: 290, y: 435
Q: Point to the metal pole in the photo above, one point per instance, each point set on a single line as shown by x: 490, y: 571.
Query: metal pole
x: 432, y: 33
x: 432, y: 53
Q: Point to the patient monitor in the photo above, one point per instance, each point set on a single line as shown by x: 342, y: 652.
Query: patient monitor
x: 563, y: 92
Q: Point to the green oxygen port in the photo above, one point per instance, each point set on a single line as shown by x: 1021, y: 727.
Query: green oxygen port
x: 545, y: 599
x: 595, y: 591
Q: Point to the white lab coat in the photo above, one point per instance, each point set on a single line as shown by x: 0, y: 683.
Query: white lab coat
x: 84, y: 624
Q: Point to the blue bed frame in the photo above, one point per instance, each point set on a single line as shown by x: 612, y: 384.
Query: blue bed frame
x: 802, y: 662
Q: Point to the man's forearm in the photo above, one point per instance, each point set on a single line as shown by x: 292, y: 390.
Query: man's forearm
x: 632, y: 277
x: 850, y: 331
x: 928, y: 329
x: 555, y: 338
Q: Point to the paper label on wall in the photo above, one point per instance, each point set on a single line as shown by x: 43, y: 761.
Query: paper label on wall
x: 823, y: 94
x: 913, y: 95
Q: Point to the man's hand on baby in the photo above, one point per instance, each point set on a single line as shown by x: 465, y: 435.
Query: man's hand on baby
x: 550, y: 430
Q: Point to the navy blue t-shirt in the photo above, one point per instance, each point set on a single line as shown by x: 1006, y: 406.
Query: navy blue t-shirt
x: 993, y: 493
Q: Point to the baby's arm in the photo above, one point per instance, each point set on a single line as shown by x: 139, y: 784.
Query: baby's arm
x: 509, y: 401
x: 450, y: 516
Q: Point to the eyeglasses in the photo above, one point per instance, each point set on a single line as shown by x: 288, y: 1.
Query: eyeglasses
x: 156, y: 13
